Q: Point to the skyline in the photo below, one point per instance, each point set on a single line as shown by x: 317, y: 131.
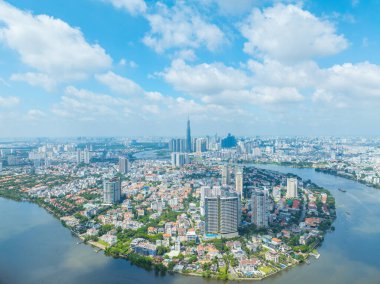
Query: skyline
x: 131, y: 68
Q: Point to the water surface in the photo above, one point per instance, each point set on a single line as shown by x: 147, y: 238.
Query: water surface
x: 36, y: 248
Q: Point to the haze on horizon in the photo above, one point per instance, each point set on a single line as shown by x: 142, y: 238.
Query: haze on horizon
x: 134, y: 67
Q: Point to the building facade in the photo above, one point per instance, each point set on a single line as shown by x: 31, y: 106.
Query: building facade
x: 291, y: 188
x: 123, y: 165
x: 112, y: 191
x: 222, y: 216
x: 259, y: 205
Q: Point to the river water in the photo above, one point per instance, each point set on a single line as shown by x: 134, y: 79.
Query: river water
x: 36, y: 248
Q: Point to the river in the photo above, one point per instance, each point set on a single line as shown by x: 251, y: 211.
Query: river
x: 36, y: 248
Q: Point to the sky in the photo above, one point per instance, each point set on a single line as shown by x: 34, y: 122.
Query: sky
x: 140, y: 68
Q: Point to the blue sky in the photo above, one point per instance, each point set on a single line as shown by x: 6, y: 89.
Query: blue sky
x: 129, y: 67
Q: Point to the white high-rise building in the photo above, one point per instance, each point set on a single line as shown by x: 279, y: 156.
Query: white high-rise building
x: 205, y: 191
x: 291, y: 188
x: 79, y: 157
x: 86, y: 156
x: 226, y: 176
x: 112, y: 191
x: 239, y: 181
x: 200, y: 145
x: 276, y: 193
x: 179, y: 159
x: 123, y: 165
x: 259, y: 205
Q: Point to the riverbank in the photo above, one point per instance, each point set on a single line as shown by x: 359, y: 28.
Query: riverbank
x: 289, y: 251
x: 64, y: 261
x: 346, y: 176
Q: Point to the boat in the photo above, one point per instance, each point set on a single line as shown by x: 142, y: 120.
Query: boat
x: 342, y: 190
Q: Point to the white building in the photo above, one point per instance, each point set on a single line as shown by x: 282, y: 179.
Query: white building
x: 291, y: 188
x: 179, y: 159
x: 226, y: 176
x: 239, y: 181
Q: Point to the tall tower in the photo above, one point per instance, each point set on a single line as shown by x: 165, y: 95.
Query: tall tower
x: 226, y: 176
x: 123, y: 165
x: 188, y: 136
x: 112, y: 191
x: 239, y: 181
x: 259, y: 208
x: 291, y: 188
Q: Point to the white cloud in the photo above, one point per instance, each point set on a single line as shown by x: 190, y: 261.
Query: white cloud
x: 120, y: 84
x: 86, y: 105
x: 360, y: 80
x: 289, y: 34
x: 260, y: 96
x: 9, y: 101
x: 57, y: 51
x: 35, y: 114
x: 204, y: 78
x: 181, y: 27
x: 273, y: 73
x: 36, y: 79
x: 133, y: 7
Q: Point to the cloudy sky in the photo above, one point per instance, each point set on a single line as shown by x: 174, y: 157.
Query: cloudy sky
x: 129, y: 67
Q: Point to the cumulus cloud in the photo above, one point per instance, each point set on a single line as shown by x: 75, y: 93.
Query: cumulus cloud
x: 86, y: 105
x: 288, y: 33
x: 181, y: 26
x: 9, y: 101
x: 35, y: 114
x: 119, y: 84
x: 204, y: 78
x: 56, y: 51
x: 133, y: 7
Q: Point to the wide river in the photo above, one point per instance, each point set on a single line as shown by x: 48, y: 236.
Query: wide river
x: 36, y: 248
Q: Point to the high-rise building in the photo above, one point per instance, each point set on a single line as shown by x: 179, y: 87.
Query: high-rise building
x: 226, y: 175
x: 123, y: 165
x: 112, y: 191
x: 188, y: 137
x: 179, y: 159
x: 83, y: 156
x: 276, y: 193
x: 205, y: 191
x: 177, y: 145
x: 259, y: 205
x: 239, y: 181
x: 291, y: 188
x: 1, y: 165
x: 229, y: 141
x: 222, y: 215
x: 79, y: 157
x: 86, y: 156
x: 200, y: 145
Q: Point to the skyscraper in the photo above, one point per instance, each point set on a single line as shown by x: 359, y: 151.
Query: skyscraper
x: 239, y: 181
x: 259, y: 206
x: 112, y: 191
x: 179, y: 159
x: 222, y: 215
x: 291, y: 188
x: 123, y: 165
x: 86, y: 156
x: 226, y: 176
x: 188, y: 137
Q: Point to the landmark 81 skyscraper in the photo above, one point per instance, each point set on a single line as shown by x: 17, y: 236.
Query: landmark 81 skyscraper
x: 188, y: 137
